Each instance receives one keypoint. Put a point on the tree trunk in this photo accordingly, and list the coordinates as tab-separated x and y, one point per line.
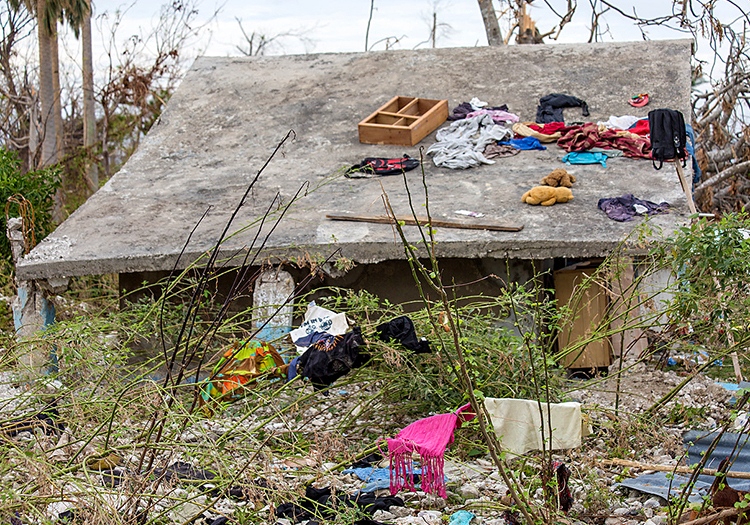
59	131
33	132
89	116
494	38
46	93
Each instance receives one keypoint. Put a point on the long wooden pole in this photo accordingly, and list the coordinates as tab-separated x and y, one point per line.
409	220
670	468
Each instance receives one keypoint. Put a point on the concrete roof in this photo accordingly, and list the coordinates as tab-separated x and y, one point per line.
229	113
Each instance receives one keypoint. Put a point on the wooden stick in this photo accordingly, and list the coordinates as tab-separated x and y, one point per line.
685	187
407	219
668	468
726	513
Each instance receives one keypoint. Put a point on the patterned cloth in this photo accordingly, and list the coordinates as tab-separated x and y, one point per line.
583	138
237	371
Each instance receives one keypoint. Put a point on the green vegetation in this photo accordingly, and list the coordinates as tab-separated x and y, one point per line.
37	189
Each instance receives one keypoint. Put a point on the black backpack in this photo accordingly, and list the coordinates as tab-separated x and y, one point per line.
378	166
667	129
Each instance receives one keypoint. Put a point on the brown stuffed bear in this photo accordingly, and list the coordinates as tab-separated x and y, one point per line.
559	177
547	196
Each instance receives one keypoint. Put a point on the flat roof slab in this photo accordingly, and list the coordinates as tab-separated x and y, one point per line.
229	114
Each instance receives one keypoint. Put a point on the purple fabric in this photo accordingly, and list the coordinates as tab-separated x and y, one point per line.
497	115
622	209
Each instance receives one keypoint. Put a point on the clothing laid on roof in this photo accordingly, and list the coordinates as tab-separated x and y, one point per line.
627	207
529	129
585	157
623	122
376	166
587	136
493	151
463	109
525	143
497	115
549	128
460	145
550	108
608	152
640	127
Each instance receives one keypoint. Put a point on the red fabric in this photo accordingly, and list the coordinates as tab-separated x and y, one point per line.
583	138
549	128
429	437
640	128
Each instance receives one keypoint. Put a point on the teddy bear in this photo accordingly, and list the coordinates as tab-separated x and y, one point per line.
559	177
547	195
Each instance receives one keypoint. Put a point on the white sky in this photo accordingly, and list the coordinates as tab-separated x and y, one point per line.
340	25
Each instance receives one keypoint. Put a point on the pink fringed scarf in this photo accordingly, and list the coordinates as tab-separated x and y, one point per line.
429	437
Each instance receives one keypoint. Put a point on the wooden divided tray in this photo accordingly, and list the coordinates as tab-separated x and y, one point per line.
403	121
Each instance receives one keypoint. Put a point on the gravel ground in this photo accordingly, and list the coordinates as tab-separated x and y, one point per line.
474	485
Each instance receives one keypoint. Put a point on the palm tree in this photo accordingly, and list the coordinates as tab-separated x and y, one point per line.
47	13
89	117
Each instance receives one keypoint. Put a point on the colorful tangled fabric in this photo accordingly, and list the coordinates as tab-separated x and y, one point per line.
237	370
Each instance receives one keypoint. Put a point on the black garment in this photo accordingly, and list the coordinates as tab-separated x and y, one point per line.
367	461
332	357
187	474
321	502
48	419
622	209
363	521
401	329
70	516
550	107
461	111
112	478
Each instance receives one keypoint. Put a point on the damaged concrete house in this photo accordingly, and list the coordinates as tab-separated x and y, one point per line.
229	114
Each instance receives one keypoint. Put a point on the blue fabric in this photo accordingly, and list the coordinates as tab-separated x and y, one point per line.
461	517
585	157
311	339
292	371
376	485
690	147
371	473
524	143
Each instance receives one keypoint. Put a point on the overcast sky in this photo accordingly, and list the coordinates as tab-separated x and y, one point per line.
341	25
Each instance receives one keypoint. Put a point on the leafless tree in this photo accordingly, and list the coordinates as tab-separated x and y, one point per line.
18	119
258	44
437	27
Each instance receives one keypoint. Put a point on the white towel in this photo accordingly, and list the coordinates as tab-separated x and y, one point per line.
517	424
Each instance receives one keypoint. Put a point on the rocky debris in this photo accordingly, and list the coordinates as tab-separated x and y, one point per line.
473	484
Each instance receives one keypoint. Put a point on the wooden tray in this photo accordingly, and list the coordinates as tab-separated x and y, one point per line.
403	121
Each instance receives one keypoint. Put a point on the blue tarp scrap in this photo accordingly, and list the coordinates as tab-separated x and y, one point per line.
660	484
697	444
